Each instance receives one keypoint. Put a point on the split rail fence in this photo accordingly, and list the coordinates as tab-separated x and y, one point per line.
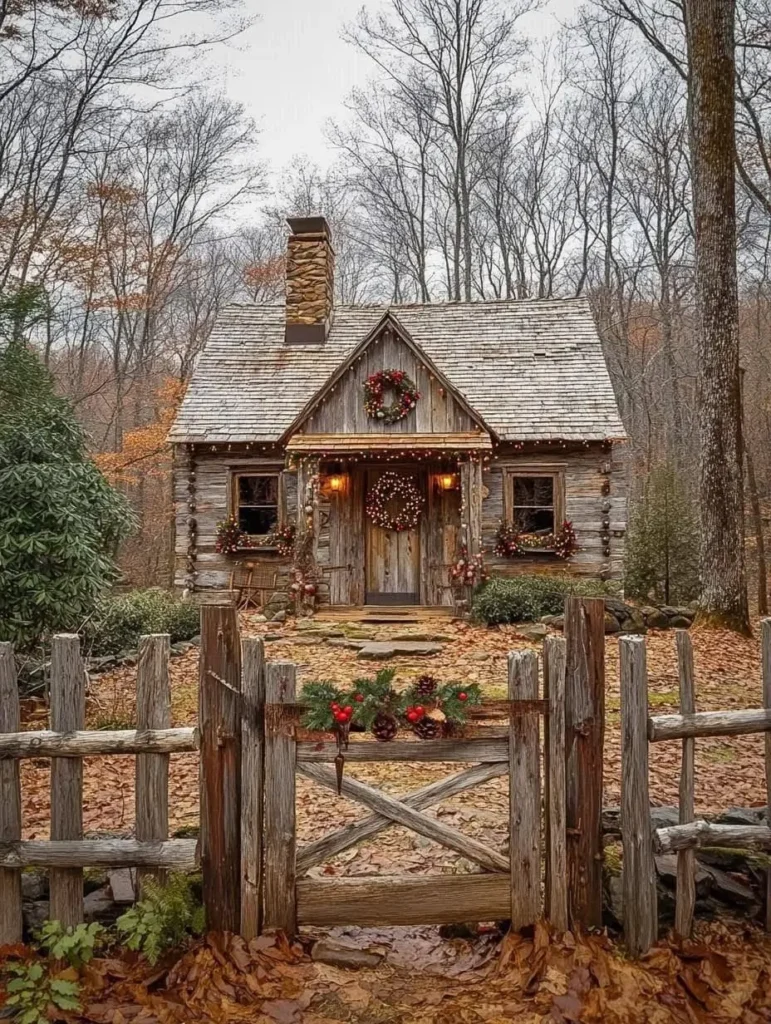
255	875
640	840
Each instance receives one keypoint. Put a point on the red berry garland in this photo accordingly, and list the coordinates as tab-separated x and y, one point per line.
405	391
389	486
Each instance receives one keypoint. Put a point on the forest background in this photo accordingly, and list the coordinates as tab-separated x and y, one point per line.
481	162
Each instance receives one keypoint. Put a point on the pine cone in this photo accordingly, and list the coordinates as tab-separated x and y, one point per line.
426	686
385	726
427	728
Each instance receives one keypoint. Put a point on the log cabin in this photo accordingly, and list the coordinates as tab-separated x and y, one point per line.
377	454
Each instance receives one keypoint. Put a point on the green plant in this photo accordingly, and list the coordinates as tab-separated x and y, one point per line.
60	520
34	988
662	552
120	621
75	945
162	919
524	598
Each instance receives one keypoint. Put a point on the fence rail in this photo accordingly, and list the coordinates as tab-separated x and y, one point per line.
640	840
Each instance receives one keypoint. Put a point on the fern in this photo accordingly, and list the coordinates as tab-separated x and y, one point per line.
162	919
75	945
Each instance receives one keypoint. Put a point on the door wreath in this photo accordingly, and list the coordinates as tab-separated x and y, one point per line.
404	389
390	486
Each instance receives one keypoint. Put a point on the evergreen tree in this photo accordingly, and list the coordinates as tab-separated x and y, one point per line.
60	521
662	558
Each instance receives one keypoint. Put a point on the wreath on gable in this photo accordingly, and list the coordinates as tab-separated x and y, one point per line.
406	395
392	486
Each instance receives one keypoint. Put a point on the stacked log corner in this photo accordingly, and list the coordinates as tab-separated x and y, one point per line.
220	730
584	738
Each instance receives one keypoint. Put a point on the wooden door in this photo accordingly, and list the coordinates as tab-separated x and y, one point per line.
392	572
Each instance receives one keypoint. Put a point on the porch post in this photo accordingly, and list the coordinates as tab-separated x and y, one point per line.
471	504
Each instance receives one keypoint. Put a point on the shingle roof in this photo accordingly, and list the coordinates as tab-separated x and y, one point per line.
533	370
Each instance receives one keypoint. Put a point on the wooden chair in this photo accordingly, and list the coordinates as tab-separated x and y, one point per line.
252	581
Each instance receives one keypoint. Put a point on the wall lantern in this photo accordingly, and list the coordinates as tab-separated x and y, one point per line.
336	479
447	481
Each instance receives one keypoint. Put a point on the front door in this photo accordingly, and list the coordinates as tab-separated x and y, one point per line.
392	557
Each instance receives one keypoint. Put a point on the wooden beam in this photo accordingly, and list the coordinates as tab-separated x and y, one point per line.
68	713
402	900
333	843
252	784
477	750
524	795
554	651
704	833
584	735
174	854
220	724
10	802
152	770
639	873
77	743
403	814
709	723
685	893
280	828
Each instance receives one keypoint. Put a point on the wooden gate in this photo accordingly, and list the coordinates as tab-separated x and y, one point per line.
507	886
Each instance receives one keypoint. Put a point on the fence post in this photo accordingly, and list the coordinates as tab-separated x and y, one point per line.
524	793
280	907
220	727
554	685
252	787
68	713
685	892
639	874
765	638
10	801
152	770
584	736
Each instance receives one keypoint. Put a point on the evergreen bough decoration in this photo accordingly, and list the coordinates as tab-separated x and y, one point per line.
405	391
392	486
511	543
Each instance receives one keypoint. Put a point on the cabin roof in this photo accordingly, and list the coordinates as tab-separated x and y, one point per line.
533	369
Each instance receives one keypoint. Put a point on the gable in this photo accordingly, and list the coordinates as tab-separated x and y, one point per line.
339	407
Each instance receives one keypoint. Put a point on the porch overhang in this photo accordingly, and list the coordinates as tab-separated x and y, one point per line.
349	444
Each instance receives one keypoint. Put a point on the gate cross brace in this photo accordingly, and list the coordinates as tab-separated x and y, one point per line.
403	814
311	854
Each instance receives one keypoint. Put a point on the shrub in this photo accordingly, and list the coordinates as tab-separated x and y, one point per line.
120	621
524	598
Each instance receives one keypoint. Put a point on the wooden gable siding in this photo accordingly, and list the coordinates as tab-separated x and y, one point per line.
583	475
213	472
342	410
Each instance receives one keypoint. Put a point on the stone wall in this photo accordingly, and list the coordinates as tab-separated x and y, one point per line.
310	274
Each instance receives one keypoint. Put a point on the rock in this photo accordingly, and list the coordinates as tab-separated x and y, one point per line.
680	622
549	620
280	616
531	630
558	622
657	620
100	906
618	608
635	623
382	650
196	640
728	890
307	641
34	915
648	610
338	953
742	816
687	612
612	624
353	644
273	636
479	656
615	899
181	647
34	885
436	638
122	885
664	817
670	610
666	868
258	618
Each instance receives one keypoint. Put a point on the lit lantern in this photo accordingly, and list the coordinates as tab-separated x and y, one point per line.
336	482
447	481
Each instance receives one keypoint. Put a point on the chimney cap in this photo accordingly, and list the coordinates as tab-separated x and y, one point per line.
309	226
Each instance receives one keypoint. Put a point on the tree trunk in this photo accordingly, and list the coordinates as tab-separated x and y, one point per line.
710	41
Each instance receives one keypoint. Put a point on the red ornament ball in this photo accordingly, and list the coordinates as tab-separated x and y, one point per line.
358	697
462	696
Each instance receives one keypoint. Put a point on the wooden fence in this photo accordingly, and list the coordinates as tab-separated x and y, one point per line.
640	841
254	874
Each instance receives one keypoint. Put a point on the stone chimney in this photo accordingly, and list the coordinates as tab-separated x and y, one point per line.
310	280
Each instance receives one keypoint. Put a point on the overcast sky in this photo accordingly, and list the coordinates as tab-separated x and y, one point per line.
292	71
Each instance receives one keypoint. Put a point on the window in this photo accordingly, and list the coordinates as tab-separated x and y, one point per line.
256	499
535	501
